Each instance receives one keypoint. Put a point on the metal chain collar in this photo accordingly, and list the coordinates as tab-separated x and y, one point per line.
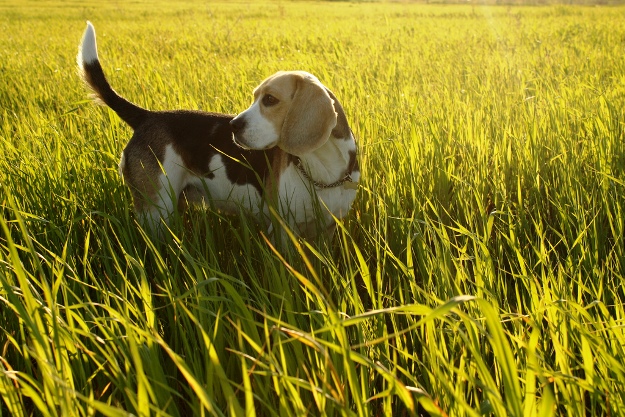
346	179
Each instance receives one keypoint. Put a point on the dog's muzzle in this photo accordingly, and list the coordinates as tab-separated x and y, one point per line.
238	125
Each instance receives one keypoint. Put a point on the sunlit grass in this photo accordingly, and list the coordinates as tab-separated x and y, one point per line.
480	272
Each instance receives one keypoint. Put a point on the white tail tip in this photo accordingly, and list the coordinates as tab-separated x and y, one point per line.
88	51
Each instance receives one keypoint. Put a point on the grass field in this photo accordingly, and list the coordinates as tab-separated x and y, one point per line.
481	271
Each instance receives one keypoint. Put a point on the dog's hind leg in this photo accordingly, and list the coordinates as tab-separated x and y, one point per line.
155	188
158	212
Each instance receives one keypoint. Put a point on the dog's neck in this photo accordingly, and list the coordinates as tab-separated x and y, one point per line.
331	164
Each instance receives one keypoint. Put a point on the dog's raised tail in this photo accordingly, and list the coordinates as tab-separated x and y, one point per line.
91	72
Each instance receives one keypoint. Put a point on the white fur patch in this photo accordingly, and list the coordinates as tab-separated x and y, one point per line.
300	204
88	51
327	164
225	195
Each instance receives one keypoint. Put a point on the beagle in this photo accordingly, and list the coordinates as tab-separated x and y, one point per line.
291	149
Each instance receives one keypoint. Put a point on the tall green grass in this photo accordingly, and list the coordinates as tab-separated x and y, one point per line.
481	271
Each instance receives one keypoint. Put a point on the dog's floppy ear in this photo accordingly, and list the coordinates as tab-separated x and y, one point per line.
310	118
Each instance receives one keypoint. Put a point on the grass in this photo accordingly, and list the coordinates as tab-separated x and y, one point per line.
481	271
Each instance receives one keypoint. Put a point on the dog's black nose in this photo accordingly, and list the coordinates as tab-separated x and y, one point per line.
237	124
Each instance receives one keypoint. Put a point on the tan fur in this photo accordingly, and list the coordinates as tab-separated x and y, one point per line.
278	165
282	88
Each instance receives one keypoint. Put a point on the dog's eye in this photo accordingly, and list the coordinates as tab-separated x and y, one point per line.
269	100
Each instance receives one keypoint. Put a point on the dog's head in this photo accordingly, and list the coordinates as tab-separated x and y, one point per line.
291	110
